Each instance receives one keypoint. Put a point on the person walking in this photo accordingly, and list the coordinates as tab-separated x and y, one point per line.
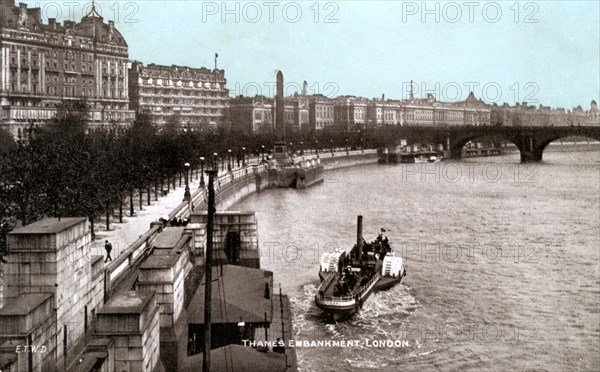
108	248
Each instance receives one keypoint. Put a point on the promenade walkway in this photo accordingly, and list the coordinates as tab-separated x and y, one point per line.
121	235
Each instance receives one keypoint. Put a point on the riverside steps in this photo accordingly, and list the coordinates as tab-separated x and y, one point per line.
69	310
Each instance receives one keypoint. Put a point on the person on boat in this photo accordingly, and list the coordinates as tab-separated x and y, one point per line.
386	245
380	235
351	280
348	270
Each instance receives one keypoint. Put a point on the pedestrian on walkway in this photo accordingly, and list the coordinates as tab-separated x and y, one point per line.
108	248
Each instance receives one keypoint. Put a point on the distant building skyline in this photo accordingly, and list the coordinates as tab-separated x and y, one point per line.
500	52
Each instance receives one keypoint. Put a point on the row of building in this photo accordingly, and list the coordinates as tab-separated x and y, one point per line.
317	112
45	64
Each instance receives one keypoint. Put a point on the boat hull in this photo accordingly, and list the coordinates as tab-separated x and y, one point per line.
343	308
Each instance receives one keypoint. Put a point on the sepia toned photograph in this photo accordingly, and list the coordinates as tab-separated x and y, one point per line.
299	186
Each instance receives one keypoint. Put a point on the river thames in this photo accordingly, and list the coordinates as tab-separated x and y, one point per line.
502	262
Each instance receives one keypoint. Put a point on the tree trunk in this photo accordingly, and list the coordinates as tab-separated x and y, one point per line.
168	184
148	194
156	190
130	203
180	179
107	215
120	208
141	191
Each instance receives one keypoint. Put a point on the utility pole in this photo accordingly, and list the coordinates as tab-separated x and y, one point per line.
208	269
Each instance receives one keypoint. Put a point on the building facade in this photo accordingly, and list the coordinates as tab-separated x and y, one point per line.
195	96
42	65
296	114
320	112
252	115
429	112
350	111
381	112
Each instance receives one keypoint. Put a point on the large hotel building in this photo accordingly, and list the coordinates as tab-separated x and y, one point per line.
44	64
191	96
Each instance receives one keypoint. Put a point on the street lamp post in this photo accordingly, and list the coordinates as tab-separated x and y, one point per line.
362	146
332	151
263	152
317	147
347	149
187	196
202	171
291	148
301	148
243	156
229	160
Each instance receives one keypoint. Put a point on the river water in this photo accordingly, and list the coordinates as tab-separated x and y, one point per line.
502	262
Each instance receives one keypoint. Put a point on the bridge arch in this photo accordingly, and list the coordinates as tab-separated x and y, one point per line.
531	141
541	146
457	146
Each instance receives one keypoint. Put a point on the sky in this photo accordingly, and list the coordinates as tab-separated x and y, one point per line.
545	52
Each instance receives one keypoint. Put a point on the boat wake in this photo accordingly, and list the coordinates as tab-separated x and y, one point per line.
381	318
385	307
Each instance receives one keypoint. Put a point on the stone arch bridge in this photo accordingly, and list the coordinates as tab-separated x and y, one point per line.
531	141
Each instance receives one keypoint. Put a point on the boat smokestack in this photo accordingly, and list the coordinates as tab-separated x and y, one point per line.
359	236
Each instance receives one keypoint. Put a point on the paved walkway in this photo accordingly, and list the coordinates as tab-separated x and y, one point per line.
121	235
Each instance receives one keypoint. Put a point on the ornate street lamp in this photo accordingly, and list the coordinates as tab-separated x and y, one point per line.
202	171
301	148
317	147
263	152
243	156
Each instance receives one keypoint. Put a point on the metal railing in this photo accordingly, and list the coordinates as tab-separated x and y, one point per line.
352	296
